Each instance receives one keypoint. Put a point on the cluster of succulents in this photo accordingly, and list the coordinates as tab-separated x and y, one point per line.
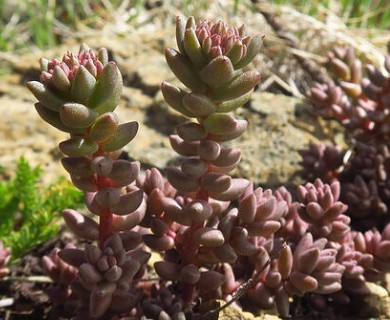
214	232
358	98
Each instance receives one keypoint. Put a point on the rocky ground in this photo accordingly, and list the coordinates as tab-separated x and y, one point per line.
279	122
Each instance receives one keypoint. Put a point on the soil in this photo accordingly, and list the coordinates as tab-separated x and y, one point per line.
23	292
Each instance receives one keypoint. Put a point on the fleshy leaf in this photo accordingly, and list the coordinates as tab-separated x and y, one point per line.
181	67
174	97
82	226
198	104
237	187
83	85
77	166
53	118
239	86
45	96
121	137
108	90
221	124
218	72
180	181
60	80
180	30
104	126
231	105
209	237
191	131
184	148
76	115
128	202
192	48
253	49
78	147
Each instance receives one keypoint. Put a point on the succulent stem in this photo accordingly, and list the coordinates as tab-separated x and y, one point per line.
202	194
105	225
105	214
188	294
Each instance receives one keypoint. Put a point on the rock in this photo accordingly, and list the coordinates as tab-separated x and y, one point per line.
279	126
378	301
232	312
23	133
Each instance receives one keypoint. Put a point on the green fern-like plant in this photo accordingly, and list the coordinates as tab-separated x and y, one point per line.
29	211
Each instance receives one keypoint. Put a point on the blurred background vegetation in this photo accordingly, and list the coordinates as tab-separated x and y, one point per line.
28	24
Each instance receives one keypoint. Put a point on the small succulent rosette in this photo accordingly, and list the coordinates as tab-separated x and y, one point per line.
78	95
105	275
322	210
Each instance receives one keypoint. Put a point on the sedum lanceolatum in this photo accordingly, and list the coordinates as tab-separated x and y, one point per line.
78	95
213	232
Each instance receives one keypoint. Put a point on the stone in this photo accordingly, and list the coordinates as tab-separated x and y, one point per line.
378	302
279	126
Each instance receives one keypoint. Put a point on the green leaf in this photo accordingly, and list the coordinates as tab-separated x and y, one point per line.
78	147
182	68
108	90
83	85
218	72
123	135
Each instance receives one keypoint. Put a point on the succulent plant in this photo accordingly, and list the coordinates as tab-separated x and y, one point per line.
365	91
218	236
78	95
105	275
358	99
321	161
209	63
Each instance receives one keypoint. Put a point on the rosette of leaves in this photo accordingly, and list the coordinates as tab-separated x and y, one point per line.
209	63
341	98
322	262
78	95
308	262
322	161
376	244
358	96
323	212
302	268
105	275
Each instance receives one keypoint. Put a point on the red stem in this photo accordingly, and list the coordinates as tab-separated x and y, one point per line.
105	225
105	214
